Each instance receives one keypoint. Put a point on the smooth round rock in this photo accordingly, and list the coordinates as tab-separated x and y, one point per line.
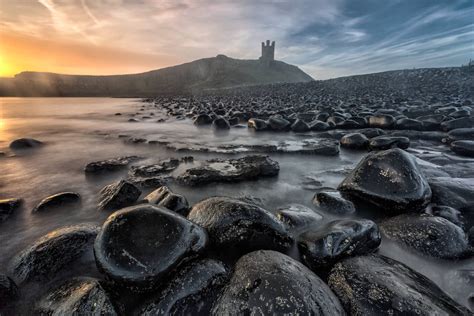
139	247
56	201
192	291
449	213
390	180
300	126
463	147
377	285
220	123
164	197
118	195
53	252
354	141
381	121
202	119
297	216
430	235
240	225
333	202
25	143
270	283
387	142
323	246
455	192
79	296
278	123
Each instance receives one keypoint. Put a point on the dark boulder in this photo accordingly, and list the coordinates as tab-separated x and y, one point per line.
278	123
79	296
454	192
220	123
139	247
109	165
230	170
354	141
270	283
8	291
300	126
160	168
236	224
461	134
463	147
318	126
192	291
52	252
430	235
377	285
449	213
372	132
296	216
381	121
25	143
202	119
7	207
388	142
257	124
409	124
164	197
118	195
464	122
333	202
390	180
321	247
56	201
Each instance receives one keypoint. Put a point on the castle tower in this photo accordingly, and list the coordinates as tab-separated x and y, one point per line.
268	52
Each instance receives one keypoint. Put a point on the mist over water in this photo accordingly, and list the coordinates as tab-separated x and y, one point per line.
77	131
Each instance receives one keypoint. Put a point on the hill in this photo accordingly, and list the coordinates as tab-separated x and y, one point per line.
203	74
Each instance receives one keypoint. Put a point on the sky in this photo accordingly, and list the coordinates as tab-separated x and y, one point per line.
325	38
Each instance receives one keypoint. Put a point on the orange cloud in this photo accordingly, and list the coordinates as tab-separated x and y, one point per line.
23	53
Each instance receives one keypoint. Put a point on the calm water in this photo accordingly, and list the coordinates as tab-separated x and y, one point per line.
80	130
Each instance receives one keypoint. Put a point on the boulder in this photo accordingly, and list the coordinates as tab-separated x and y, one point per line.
300	126
202	119
430	235
192	291
449	213
164	197
56	201
139	247
153	170
318	126
323	246
463	147
25	143
333	202
7	207
454	192
242	226
390	180
118	195
220	123
464	122
257	124
409	124
377	285
270	283
387	142
230	170
53	252
354	141
79	296
109	165
278	123
381	121
461	134
296	216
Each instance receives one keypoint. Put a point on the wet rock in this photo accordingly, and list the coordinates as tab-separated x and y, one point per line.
148	182
449	213
297	216
354	141
278	123
192	291
409	124
52	252
464	122
390	180
321	247
202	119
220	123
139	247
270	283
431	235
7	207
325	147
381	121
236	224
461	134
299	126
454	192
230	170
56	201
110	164
25	143
372	132
333	202
155	169
8	290
319	126
118	195
257	124
463	147
164	197
387	142
79	296
377	285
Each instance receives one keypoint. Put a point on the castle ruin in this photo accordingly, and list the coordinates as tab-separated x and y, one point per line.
268	52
